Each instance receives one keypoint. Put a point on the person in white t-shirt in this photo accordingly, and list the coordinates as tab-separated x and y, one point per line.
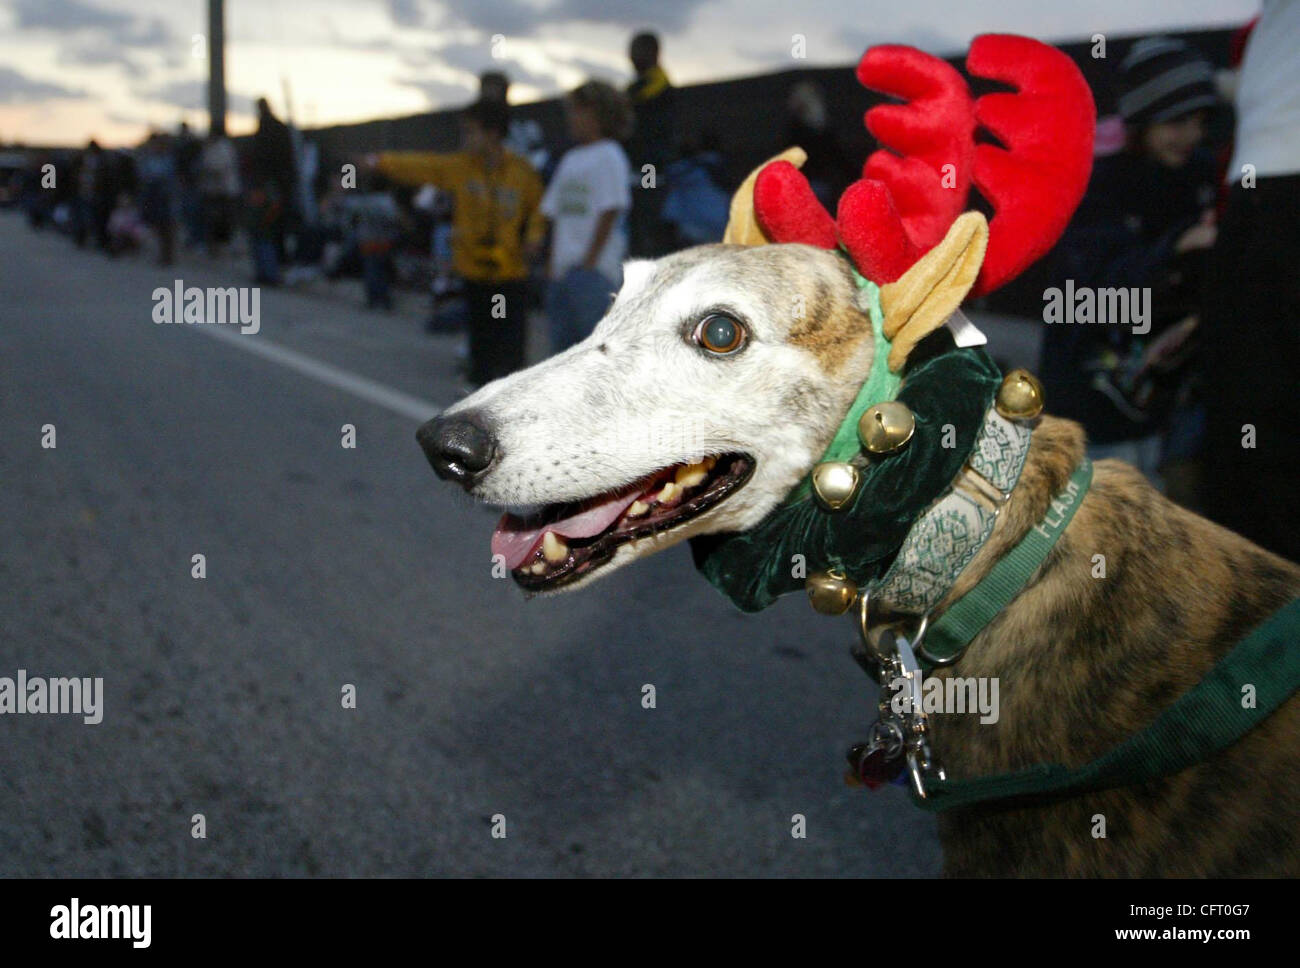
587	202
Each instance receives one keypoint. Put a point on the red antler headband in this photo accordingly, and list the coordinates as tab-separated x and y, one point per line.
905	202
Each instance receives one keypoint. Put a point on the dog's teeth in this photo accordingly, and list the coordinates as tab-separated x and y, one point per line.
692	475
538	568
709	463
637	509
669	493
553	549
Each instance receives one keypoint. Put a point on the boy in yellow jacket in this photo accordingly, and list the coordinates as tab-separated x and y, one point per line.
496	229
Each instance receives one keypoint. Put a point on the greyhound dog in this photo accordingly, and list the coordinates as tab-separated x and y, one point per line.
701	401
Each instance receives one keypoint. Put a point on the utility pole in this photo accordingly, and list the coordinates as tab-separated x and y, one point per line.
217	66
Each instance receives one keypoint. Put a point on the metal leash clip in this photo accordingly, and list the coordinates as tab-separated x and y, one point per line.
897	737
921	760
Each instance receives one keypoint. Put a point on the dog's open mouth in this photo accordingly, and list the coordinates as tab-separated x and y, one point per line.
563	542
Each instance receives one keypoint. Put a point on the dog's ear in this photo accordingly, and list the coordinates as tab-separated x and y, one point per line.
742	226
922	299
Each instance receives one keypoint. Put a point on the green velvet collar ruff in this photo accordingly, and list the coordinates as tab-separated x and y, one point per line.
881	384
944	386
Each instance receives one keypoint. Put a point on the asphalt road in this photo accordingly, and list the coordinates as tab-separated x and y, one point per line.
328	566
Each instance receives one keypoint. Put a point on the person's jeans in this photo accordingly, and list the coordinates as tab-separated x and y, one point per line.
266	262
575	304
374	271
191	214
83	219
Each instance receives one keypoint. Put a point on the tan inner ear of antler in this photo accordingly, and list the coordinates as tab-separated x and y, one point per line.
742	226
922	298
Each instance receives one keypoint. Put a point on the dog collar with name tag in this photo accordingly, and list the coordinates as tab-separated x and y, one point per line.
944	640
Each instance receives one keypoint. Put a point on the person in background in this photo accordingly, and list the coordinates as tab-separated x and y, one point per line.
218	190
303	230
696	205
525	136
447	312
39	202
377	221
1146	223
496	224
126	230
159	186
91	176
101	176
271	191
1251	319
652	96
586	202
187	151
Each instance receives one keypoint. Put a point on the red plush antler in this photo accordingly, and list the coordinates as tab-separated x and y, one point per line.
905	202
934	135
1036	182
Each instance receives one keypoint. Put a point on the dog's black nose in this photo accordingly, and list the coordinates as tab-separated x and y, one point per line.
459	448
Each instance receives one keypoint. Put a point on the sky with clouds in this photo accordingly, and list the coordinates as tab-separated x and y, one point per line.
72	69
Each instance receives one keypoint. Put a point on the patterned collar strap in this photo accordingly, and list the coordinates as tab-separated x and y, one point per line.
950	531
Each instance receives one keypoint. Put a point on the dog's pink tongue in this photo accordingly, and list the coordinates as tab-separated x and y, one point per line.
515	539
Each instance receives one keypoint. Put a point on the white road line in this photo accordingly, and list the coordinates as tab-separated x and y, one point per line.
376	393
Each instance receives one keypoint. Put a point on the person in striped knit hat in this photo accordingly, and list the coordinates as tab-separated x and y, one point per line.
1145	225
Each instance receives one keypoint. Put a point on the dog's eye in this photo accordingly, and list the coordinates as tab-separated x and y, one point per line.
719	334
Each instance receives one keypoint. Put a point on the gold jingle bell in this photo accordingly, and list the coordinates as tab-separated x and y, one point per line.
885	427
830	592
833	482
1020	397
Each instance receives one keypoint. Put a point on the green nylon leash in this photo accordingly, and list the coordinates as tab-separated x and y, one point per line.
947	638
1206	719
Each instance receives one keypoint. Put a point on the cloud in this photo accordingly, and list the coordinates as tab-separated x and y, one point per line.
76	16
82	54
597	70
849	43
192	95
509	17
921	36
406	13
66	15
16	88
440	94
669	16
151	33
477	58
122	117
515	18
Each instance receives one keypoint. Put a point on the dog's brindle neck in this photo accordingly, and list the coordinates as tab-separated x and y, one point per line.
1084	662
